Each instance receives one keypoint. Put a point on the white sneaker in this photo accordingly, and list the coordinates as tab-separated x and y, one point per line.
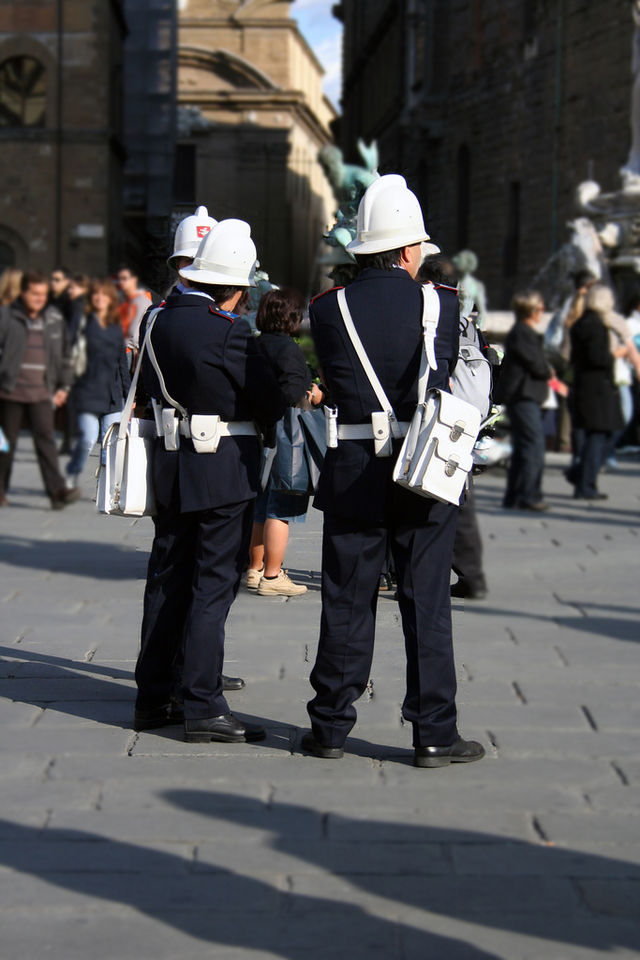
280	586
72	481
252	578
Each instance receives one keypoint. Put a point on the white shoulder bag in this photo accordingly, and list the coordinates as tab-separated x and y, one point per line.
435	458
125	479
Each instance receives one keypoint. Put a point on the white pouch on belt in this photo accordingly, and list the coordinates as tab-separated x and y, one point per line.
382	437
170	429
205	432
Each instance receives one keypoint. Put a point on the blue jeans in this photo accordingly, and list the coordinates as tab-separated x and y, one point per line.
90	427
524	481
593	452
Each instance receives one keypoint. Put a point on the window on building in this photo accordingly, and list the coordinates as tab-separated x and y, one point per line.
464	195
22	92
184	176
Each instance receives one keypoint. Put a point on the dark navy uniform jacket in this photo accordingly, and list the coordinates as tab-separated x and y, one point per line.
386	306
211	365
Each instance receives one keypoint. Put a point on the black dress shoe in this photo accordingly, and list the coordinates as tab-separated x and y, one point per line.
232	683
591	496
464	591
225	729
310	745
460	751
153	717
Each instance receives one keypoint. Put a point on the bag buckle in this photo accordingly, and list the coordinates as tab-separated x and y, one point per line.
457	430
451	466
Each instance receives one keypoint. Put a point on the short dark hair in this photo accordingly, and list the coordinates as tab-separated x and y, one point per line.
439	269
127	266
81	280
279	311
32	278
219	293
385	260
61	270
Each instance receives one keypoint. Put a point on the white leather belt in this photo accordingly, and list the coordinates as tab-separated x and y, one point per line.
363	431
230	428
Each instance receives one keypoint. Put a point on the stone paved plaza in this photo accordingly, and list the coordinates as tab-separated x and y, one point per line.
141	847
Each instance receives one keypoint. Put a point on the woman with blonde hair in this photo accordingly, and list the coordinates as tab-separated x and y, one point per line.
98	395
9	285
596	405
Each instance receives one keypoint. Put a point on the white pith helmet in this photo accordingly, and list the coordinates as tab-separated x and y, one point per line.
190	233
227	256
389	216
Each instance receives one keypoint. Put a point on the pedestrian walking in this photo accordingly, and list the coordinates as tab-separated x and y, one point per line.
35	379
596	403
98	395
523	387
364	510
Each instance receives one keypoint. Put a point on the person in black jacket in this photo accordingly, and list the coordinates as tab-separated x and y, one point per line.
206	477
278	318
98	395
596	402
523	386
364	510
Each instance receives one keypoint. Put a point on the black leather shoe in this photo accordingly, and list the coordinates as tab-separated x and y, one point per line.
225	729
310	745
460	751
591	496
464	591
232	683
153	717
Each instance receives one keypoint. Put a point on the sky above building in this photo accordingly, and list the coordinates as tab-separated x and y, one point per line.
323	33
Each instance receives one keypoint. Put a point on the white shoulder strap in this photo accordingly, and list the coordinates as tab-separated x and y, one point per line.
152	356
366	363
430	318
131	396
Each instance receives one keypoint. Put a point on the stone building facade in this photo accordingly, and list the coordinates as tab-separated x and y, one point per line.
61	133
494	113
251	119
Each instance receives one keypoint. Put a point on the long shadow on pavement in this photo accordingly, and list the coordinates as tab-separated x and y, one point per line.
213	902
520	887
83	558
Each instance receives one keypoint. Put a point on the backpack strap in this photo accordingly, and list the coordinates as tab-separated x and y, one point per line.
372	376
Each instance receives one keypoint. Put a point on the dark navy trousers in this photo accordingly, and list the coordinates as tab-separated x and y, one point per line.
193	577
524	480
352	558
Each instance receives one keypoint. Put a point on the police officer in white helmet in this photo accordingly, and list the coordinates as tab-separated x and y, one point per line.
365	512
189	234
206	475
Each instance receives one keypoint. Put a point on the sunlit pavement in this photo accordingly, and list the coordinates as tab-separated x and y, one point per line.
122	845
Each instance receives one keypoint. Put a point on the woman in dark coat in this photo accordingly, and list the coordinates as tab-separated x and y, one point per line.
98	395
523	386
278	318
596	405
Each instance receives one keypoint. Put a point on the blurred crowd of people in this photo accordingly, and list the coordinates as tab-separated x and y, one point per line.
578	383
68	343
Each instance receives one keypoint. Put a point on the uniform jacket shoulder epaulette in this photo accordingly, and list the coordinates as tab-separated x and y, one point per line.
216	311
325	292
446	286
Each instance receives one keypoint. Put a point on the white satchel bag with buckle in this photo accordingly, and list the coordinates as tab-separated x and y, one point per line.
435	458
125	481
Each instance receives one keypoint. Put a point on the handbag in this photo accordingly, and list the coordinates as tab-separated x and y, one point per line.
125	475
435	457
79	350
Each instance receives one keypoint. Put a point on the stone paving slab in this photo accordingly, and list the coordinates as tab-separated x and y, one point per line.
117	844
